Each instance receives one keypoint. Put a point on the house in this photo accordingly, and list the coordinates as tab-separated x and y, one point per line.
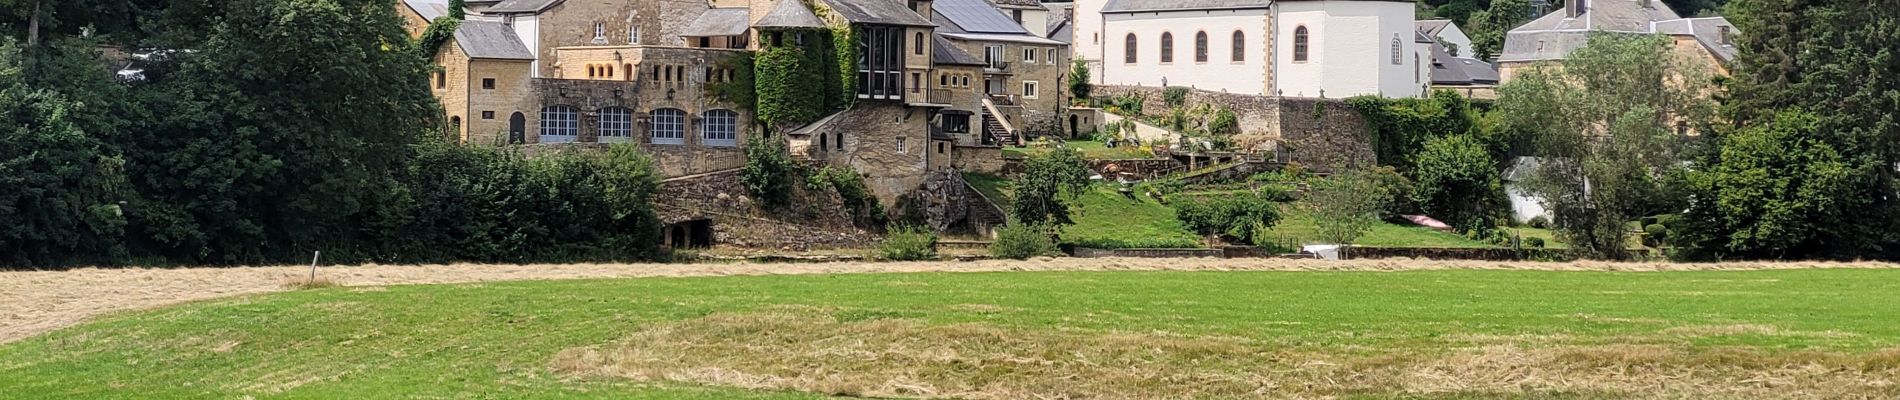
1032	15
1470	77
1295	48
1552	37
1445	32
1023	72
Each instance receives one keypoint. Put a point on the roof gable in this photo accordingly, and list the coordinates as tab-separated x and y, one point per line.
977	16
877	12
490	40
789	14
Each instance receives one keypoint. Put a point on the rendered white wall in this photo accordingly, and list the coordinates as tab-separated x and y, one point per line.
1350	44
1219	73
1452	34
1086	45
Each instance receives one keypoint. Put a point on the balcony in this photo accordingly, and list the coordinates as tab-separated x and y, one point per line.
944	96
997	67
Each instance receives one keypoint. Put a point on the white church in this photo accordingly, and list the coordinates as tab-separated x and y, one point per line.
1293	48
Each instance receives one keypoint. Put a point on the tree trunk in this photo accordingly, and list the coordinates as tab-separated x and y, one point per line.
33	25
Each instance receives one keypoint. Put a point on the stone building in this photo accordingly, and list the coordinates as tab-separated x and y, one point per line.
1552	37
1296	48
1022	80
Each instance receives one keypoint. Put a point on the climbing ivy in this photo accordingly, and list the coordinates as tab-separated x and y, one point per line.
844	41
438	33
742	89
787	96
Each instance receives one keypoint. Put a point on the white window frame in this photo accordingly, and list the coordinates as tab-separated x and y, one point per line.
668	126
720	128
1052	56
616	125
1029	55
600	33
560	124
1032	89
993	55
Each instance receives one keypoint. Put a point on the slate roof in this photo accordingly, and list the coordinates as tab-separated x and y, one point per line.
490	40
1555	35
1017	3
1127	6
1001	37
877	12
942	52
1448	70
1061	22
718	22
789	14
428	9
522	6
975	16
1432	27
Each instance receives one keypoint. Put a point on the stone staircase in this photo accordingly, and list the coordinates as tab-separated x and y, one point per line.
996	129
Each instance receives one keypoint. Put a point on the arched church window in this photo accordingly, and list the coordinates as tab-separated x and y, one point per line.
1200	47
1128	53
1240	46
1167	47
1299	44
1398	58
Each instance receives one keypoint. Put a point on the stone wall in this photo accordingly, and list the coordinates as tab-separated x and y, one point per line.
1139	168
739	221
885	141
1149	253
1316	132
950	205
984	159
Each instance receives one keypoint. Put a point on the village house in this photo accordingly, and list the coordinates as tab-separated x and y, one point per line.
1444	32
1552	37
1311	48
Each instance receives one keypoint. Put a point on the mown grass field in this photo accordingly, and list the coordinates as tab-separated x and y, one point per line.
1417	334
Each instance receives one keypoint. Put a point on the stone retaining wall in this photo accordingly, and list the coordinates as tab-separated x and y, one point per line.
738	221
1316	132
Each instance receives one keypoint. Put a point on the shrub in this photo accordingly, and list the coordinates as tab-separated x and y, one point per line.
1047	185
1225	123
1458	183
1655	235
864	207
1129	103
768	170
1235	217
908	243
1022	241
1534	242
1539	222
1174	96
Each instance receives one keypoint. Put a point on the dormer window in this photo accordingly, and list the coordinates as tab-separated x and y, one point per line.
1725	35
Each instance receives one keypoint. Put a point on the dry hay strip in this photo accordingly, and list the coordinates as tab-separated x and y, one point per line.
804	349
34	302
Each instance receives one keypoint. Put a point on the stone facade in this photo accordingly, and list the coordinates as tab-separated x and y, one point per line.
1316	132
950	205
984	159
884	141
736	220
1040	112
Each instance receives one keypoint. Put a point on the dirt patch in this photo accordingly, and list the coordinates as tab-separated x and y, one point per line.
813	352
34	302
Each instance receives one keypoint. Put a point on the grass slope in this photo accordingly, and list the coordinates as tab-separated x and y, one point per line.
1106	218
1297	227
1000	335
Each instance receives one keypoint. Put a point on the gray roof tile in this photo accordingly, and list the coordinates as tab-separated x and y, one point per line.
718	22
490	40
790	14
428	9
944	53
977	16
522	6
1123	6
878	12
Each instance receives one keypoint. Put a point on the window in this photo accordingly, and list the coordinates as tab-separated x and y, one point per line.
1052	57
1167	47
1029	55
616	125
943	80
993	55
1200	47
916	82
956	123
940	148
600	33
633	34
488	115
1128	52
559	124
900	144
1017	14
630	71
1240	46
1398	58
1299	44
840	142
722	128
881	63
1030	89
917	43
488	83
441	80
669	126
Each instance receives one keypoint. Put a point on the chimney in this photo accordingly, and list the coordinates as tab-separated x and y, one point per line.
1725	35
1574	8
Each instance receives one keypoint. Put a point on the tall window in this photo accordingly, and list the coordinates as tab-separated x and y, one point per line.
1299	44
1200	47
600	33
1031	89
1029	55
1240	46
1167	47
559	124
722	128
669	126
616	125
1052	57
993	55
917	43
1397	57
881	63
1128	54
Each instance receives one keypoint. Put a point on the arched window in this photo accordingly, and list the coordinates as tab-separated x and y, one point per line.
1398	58
1200	47
669	126
455	128
1128	53
1299	44
616	125
917	43
1167	47
721	128
559	124
1240	46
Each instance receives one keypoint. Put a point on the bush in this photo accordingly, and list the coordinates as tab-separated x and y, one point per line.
1225	123
1457	182
1129	103
1655	235
1022	241
908	243
768	170
1534	242
1239	218
1174	96
864	207
1539	222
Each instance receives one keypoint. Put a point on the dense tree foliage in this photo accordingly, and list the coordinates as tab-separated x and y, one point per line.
1457	182
1604	125
1239	218
264	130
1807	170
1346	205
1049	184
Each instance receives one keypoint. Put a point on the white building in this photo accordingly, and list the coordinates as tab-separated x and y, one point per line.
1296	48
1444	31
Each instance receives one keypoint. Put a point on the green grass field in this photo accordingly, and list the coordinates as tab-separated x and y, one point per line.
1005	335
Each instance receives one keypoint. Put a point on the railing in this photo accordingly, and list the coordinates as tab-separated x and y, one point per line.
999	65
990	106
940	96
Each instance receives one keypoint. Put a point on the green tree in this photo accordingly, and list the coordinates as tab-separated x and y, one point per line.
63	184
769	170
1603	123
1487	28
1811	79
1079	87
1458	182
1049	184
1240	218
1346	205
